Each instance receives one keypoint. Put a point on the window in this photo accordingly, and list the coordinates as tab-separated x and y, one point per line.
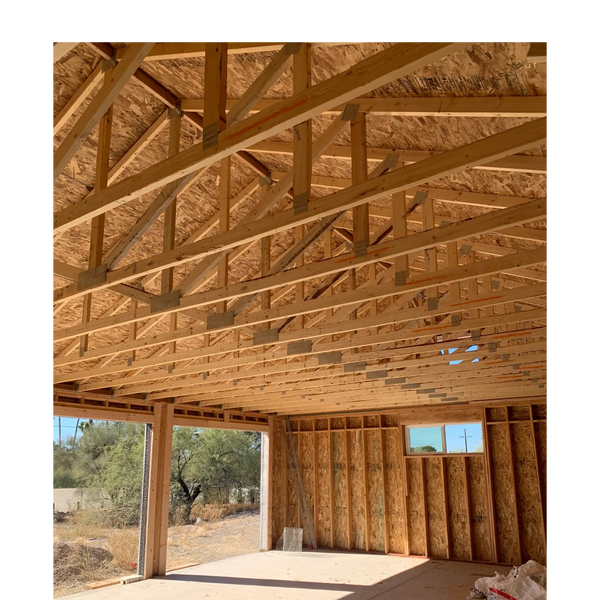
459	438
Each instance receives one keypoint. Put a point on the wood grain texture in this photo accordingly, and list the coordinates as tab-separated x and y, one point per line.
374	489
323	517
394	490
416	508
504	504
528	494
480	523
459	511
436	518
340	487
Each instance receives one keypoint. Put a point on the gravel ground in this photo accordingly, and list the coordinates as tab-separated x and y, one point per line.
202	543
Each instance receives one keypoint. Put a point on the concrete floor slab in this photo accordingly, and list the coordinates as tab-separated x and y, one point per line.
321	575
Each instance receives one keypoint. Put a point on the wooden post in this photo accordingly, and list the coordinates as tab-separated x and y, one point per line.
468	501
97	236
349	493
514	479
386	536
155	563
537	471
315	468
365	473
404	485
331	480
490	488
446	506
425	511
266	484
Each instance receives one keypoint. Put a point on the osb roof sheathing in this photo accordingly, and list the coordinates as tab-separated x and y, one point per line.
487	69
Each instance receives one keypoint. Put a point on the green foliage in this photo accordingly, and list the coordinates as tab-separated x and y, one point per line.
207	464
423	449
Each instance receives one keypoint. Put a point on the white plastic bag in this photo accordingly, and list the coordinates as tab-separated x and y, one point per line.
522	588
527	582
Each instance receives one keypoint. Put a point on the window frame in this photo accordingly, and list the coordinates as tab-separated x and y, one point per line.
444	452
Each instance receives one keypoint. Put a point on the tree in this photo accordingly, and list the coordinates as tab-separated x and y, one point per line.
209	463
423	449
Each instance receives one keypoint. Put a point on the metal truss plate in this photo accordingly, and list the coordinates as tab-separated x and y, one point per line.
267	336
400	278
420	197
300	203
377	374
330	358
432	303
218	320
476	334
456	320
355	366
411	386
464	250
91	278
395	380
165	301
301	347
360	248
350	112
210	137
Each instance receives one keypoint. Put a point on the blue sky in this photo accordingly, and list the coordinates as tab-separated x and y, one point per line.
457	362
67	426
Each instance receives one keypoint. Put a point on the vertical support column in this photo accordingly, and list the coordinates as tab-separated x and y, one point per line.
452	261
514	487
348	490
166	282
468	502
446	506
224	206
490	488
472	287
315	481
331	481
425	511
266	488
366	485
360	214
401	263
157	524
302	149
402	439
215	121
97	237
383	460
144	506
431	294
537	470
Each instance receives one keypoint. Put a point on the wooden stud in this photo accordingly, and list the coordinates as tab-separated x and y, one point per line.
493	529
514	487
383	462
403	459
537	471
331	484
349	491
446	505
468	503
97	236
425	511
365	479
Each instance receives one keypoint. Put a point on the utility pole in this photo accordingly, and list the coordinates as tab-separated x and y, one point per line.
465	436
59	436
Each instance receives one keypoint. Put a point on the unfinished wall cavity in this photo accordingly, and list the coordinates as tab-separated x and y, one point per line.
365	493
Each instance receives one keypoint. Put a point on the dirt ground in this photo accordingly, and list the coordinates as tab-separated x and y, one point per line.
80	559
